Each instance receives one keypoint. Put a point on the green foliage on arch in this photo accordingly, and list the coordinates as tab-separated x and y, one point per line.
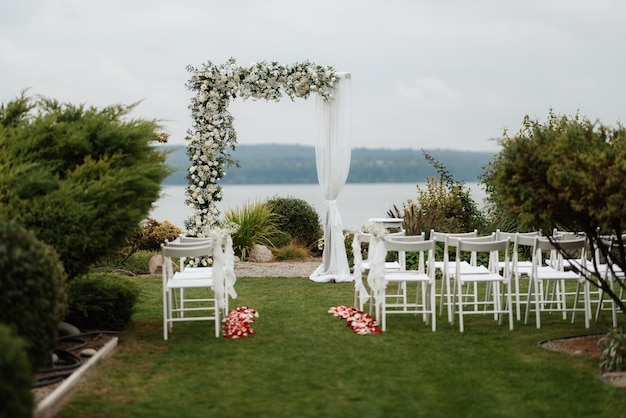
212	135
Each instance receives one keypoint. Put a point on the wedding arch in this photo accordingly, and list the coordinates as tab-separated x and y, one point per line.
212	137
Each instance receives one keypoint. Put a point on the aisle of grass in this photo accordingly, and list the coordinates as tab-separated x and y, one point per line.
303	362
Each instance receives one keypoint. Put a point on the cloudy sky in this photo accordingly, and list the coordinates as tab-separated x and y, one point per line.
448	74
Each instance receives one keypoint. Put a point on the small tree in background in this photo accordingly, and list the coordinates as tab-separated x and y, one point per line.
568	173
81	178
444	205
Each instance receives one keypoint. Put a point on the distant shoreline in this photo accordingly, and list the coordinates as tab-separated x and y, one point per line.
295	164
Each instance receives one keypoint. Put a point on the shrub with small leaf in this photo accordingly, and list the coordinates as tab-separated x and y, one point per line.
102	301
613	346
297	218
139	262
16	399
31	290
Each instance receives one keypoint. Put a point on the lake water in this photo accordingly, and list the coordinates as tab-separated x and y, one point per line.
357	202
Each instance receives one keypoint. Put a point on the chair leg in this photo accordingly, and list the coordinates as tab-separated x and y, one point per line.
528	301
517	299
218	323
510	306
165	315
460	303
587	302
433	306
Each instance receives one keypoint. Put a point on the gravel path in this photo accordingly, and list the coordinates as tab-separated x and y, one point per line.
277	268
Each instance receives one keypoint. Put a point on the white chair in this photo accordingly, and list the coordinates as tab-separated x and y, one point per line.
198	309
519	267
443	265
448	268
612	275
361	267
423	277
497	301
229	265
548	288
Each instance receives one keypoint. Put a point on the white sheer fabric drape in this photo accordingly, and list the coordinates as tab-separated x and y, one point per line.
332	153
357	273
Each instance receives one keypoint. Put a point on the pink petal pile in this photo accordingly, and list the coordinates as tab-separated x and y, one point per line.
237	324
357	320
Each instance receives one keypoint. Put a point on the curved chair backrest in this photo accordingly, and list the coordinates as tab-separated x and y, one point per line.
401	246
545	244
482	245
406	238
186	239
443	236
453	241
476	246
182	251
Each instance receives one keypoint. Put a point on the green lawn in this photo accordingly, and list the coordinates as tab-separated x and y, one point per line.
304	362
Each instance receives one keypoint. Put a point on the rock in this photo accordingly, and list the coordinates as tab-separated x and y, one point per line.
66	329
155	266
88	352
261	254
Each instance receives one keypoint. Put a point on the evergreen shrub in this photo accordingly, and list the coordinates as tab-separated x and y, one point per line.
16	399
81	178
31	290
298	218
101	301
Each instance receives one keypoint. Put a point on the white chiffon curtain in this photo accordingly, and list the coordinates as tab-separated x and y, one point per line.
332	153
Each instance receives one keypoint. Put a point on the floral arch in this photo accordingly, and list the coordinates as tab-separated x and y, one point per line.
212	137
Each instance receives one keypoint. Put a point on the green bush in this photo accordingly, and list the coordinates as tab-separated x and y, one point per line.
31	290
139	262
101	301
445	205
298	218
613	348
16	398
80	178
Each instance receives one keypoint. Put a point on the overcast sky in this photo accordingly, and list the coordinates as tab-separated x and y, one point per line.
447	74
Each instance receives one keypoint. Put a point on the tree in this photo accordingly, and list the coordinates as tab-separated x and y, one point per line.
445	204
568	173
80	178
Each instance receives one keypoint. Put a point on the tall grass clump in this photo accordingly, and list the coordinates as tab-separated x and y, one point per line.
257	225
291	252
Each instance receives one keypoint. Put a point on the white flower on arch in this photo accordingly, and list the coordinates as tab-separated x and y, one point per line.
212	133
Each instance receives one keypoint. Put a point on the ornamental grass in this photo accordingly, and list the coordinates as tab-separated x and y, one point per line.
305	362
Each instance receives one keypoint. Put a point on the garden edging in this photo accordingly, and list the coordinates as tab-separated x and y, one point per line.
51	404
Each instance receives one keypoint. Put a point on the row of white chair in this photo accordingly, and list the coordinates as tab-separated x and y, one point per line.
500	271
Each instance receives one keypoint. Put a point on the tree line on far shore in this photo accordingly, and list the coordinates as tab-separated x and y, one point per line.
295	164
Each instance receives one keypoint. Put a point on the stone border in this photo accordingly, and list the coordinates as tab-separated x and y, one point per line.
51	404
